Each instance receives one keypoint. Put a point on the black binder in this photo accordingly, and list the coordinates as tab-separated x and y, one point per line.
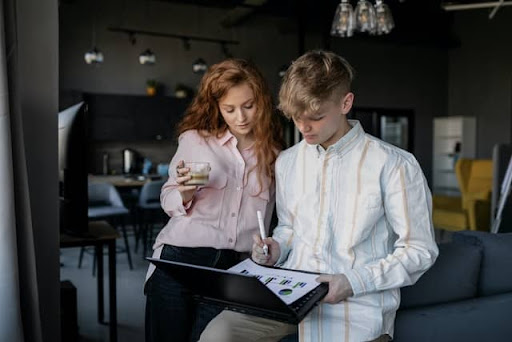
240	292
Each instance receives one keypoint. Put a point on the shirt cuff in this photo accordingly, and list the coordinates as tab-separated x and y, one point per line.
284	249
361	281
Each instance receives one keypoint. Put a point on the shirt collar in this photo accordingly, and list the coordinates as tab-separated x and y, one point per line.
346	142
226	137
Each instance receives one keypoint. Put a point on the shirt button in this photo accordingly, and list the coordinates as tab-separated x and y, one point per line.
233	214
230	240
239	188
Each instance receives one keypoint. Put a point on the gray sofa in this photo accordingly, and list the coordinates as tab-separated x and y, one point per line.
466	296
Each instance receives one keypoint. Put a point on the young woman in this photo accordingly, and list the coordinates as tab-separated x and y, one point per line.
231	125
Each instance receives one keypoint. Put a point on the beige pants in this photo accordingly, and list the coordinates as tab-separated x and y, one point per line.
231	326
381	338
228	327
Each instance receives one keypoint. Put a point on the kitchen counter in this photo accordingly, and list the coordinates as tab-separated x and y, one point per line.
124	180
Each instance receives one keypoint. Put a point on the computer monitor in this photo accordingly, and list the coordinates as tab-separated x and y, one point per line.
73	141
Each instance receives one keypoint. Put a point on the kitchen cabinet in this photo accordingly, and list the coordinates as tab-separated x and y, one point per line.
454	137
132	118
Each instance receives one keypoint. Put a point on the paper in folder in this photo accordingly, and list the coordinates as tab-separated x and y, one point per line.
279	294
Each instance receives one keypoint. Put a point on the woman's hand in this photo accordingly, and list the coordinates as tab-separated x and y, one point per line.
186	191
339	287
258	255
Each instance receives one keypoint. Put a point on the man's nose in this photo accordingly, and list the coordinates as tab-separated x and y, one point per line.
304	127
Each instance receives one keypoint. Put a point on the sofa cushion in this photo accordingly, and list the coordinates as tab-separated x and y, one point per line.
454	276
496	272
474	320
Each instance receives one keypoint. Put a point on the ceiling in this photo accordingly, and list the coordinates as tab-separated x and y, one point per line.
421	22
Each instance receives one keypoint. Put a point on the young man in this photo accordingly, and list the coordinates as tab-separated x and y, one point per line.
351	207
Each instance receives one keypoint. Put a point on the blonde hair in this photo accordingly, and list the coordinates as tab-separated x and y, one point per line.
315	77
204	115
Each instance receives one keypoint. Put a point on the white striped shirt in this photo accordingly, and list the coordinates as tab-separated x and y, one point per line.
363	208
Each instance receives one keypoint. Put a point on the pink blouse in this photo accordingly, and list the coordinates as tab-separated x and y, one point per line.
222	213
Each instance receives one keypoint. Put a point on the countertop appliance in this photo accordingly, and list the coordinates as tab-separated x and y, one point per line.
131	161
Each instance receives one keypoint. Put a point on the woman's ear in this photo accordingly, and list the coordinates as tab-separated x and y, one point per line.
346	104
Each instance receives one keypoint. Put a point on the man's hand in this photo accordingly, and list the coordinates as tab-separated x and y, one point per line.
257	251
339	287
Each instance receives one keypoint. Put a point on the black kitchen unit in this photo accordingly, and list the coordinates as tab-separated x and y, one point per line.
132	118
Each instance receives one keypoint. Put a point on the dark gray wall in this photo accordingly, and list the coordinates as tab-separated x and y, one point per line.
480	77
121	72
409	77
388	75
38	66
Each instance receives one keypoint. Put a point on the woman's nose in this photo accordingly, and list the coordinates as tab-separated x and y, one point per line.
240	115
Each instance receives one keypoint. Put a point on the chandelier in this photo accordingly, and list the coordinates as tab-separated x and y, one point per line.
365	18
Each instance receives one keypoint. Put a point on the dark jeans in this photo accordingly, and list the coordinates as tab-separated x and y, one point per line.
171	312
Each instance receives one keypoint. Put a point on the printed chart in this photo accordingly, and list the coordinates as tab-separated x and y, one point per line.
287	285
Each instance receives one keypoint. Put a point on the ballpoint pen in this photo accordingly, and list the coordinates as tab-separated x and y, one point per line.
262	231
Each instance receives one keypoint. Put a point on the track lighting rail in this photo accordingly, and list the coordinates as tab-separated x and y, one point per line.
185	38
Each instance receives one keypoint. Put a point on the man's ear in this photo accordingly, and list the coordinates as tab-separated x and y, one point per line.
346	104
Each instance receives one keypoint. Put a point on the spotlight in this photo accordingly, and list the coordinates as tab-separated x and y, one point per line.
199	66
93	56
147	57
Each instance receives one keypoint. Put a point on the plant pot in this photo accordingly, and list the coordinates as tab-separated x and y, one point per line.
151	91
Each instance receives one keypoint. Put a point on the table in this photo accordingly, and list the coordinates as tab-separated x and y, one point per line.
100	234
121	181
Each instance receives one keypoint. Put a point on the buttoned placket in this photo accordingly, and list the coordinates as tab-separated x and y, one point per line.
239	182
332	189
322	191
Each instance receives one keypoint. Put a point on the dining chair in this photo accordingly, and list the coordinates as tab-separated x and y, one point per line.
149	213
105	203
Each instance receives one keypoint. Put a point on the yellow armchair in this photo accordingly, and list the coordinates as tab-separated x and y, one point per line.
473	209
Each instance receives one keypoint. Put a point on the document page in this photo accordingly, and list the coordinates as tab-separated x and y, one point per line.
287	285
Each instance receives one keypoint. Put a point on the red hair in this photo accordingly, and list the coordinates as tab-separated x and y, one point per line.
204	115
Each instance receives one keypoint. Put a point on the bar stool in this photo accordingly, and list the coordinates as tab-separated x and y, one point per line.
149	212
105	203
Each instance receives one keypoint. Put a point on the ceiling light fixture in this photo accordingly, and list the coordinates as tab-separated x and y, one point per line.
225	51
186	43
199	66
282	70
364	18
147	57
343	23
385	22
93	56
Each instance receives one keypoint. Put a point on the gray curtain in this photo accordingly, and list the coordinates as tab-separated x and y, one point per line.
19	302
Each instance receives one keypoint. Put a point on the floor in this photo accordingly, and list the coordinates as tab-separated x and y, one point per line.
130	297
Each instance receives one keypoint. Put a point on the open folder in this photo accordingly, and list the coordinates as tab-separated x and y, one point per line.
269	292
